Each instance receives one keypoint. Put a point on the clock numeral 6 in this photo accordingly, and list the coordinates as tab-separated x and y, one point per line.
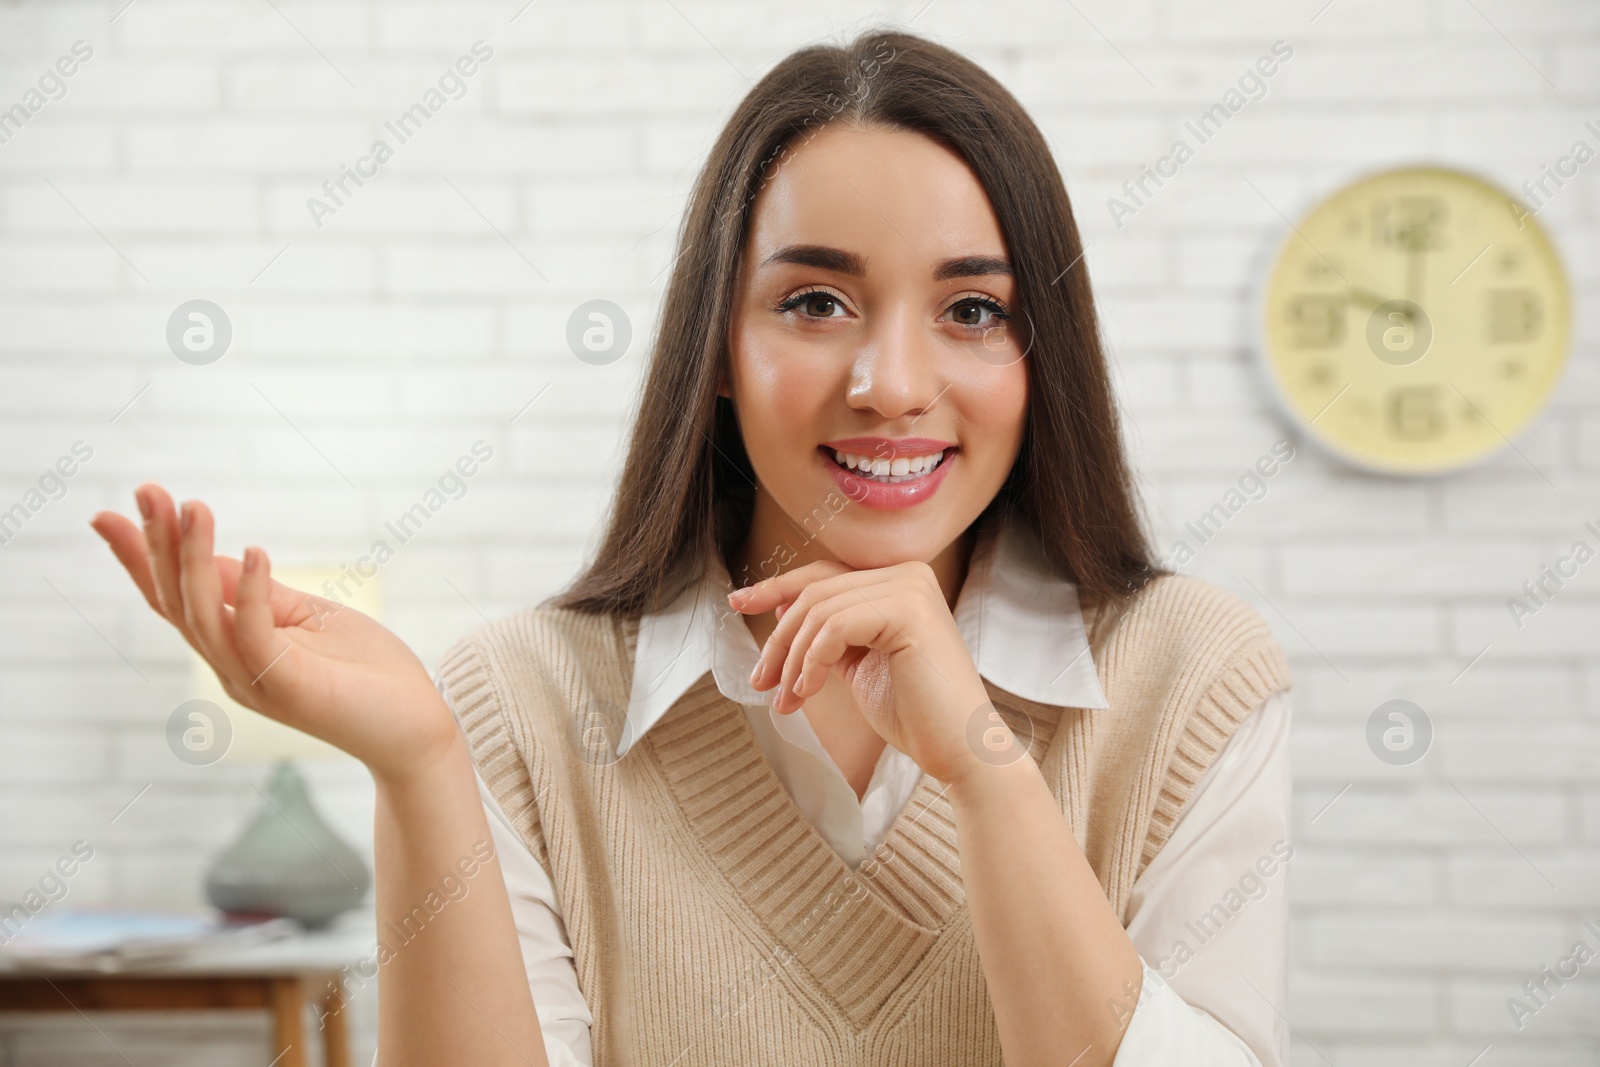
1415	412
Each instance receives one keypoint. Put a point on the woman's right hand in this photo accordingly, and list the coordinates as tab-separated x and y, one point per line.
304	660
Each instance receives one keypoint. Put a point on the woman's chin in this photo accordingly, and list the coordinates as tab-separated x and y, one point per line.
865	549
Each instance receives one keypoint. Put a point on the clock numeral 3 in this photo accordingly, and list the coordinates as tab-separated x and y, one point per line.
1514	315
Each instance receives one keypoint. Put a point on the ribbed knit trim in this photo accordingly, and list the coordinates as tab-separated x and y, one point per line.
1239	665
526	757
473	692
1234	696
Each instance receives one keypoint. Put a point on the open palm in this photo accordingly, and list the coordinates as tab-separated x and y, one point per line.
304	660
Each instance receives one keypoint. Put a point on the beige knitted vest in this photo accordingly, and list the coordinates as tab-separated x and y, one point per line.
710	922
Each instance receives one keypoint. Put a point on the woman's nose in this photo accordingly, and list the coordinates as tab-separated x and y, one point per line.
897	372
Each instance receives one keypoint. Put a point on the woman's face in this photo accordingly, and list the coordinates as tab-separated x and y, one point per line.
873	320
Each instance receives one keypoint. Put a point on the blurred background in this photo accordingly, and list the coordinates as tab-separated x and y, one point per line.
354	345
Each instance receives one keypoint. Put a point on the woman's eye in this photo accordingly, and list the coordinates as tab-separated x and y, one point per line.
816	304
976	313
820	305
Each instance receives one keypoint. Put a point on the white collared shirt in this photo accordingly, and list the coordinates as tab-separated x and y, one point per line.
1204	1004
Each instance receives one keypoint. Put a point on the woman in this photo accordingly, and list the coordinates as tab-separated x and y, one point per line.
878	397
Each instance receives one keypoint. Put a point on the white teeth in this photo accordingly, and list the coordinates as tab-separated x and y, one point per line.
901	468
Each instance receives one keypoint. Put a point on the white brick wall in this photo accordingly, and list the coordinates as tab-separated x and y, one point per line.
406	327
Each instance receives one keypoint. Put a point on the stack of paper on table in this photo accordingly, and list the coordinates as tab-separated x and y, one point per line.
114	940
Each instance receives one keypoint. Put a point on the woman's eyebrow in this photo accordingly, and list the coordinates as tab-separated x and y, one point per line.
970	266
824	257
821	257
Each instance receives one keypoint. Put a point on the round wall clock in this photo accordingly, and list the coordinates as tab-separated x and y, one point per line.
1415	321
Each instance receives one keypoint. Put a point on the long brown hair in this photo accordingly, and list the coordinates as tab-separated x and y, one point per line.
687	488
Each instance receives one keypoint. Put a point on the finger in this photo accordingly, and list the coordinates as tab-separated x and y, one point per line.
777	644
161	536
817	618
781	588
127	543
132	548
289	606
776	648
228	570
862	625
255	631
201	588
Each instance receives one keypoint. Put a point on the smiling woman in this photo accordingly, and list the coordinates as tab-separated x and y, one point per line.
934	789
929	183
885	318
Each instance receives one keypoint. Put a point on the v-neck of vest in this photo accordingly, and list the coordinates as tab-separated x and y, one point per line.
858	932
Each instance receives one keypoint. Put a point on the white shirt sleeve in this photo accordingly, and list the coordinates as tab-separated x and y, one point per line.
1210	915
564	1016
1203	1012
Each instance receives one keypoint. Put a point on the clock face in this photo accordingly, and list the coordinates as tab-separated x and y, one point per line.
1416	321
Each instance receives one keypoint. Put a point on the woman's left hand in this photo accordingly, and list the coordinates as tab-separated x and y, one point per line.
889	634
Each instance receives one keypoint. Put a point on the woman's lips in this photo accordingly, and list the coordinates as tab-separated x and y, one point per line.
890	495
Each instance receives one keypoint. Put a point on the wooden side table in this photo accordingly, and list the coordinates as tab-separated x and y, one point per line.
281	977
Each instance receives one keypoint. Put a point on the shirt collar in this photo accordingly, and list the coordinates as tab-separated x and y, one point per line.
1021	622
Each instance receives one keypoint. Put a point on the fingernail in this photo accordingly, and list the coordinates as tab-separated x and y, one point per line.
249	560
144	505
755	672
188	517
795	689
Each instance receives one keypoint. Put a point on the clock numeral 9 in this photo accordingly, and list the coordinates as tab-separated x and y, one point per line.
1415	412
1514	315
1318	321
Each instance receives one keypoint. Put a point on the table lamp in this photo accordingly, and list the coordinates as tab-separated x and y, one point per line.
287	861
